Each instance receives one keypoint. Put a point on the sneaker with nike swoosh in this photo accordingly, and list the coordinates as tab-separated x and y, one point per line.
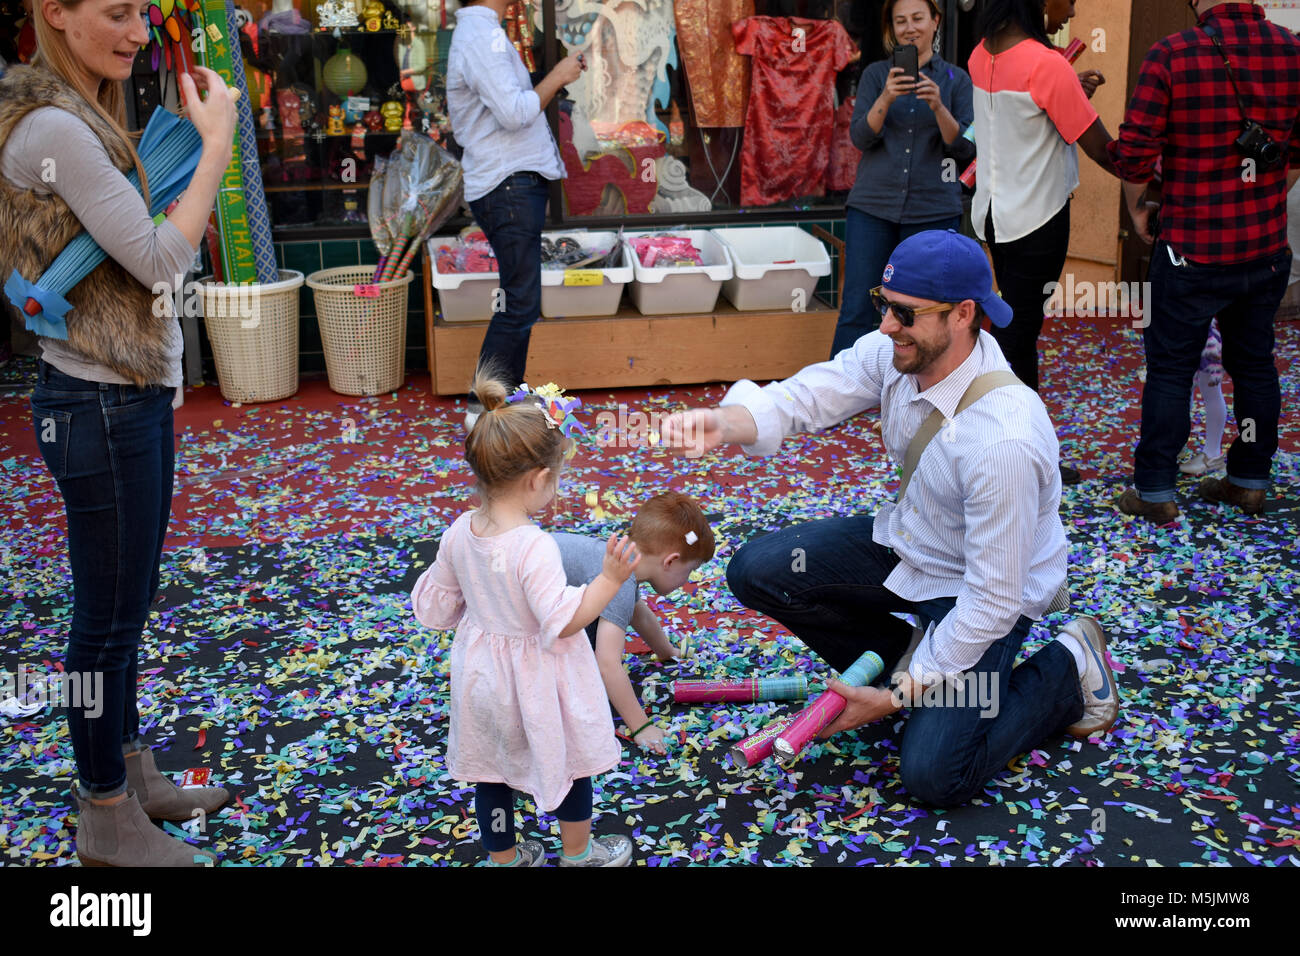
1100	692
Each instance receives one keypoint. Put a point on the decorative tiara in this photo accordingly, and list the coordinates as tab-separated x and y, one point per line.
555	406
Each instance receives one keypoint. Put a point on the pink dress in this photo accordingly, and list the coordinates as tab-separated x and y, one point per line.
528	708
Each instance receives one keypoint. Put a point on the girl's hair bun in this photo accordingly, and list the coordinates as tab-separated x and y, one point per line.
510	438
489	387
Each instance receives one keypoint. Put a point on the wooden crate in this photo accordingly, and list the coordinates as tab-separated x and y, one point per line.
629	349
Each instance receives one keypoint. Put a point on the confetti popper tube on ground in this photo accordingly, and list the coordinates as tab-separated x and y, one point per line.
1071	53
758	747
818	715
746	691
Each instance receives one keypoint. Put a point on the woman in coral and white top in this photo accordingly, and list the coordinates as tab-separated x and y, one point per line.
1030	112
528	708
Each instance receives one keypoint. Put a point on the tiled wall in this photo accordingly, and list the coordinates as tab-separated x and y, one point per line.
310	256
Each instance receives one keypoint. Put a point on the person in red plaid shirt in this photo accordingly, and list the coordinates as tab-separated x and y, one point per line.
1221	246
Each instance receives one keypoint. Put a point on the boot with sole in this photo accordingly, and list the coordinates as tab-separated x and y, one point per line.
1249	500
163	800
120	834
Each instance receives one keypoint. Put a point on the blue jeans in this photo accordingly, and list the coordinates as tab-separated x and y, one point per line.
512	217
494	806
1184	298
824	580
110	450
868	243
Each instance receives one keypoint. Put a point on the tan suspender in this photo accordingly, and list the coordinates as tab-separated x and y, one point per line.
977	389
980	387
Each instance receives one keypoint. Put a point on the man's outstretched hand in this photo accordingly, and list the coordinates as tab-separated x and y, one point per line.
692	433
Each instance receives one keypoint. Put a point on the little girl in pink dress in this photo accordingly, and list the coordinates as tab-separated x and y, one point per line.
528	708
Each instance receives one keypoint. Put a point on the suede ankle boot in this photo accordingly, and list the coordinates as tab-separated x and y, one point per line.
163	800
120	834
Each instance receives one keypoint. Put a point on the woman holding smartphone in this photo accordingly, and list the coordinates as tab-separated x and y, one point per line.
1030	112
102	406
910	130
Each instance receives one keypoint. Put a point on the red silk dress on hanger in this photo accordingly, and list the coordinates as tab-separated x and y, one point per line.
843	167
791	113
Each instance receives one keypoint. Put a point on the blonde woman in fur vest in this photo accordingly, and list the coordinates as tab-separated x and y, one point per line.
102	408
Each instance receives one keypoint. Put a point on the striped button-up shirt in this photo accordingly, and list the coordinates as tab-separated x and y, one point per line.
980	518
495	114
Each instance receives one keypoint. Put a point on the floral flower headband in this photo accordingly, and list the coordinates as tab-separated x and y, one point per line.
555	406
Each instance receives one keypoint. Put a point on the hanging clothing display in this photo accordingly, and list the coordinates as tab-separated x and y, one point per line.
718	76
843	167
790	118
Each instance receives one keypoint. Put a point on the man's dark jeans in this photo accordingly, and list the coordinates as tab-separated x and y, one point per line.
824	580
110	450
1184	298
512	217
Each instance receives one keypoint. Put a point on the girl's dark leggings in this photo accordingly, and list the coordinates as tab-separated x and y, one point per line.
494	803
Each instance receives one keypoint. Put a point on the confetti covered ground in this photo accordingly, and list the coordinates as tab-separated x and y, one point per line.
283	653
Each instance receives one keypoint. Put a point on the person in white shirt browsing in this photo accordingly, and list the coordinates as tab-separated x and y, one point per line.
974	545
510	161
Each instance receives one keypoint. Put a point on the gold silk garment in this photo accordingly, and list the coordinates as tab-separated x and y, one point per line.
717	74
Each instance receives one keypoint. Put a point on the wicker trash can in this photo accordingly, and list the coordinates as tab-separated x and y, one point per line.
254	334
362	328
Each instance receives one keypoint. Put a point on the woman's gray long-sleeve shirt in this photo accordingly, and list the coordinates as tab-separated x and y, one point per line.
52	151
901	176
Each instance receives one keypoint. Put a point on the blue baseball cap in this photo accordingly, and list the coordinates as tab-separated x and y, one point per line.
945	267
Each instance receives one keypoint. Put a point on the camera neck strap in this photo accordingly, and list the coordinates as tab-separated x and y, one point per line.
1227	65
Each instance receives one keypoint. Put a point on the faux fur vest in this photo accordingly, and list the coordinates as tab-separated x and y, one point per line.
112	320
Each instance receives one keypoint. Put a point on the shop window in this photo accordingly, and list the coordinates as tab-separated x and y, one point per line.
665	121
677	113
332	84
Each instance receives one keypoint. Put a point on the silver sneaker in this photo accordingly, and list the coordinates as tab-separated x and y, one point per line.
605	851
530	854
1198	464
1100	692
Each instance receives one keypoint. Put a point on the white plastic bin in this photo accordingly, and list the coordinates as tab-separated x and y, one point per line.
563	299
680	289
775	267
462	296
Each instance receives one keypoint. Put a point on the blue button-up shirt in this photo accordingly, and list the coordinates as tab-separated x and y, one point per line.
495	114
901	176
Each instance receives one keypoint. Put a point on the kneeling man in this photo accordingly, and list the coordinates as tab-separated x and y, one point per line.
973	546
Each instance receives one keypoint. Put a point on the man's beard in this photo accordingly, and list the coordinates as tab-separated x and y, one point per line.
923	355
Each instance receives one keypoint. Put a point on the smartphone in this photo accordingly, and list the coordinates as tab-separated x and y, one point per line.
905	56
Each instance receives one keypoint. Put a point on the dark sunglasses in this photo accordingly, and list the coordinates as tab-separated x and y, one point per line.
905	314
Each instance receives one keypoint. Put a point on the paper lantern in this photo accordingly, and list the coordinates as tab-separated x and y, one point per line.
345	74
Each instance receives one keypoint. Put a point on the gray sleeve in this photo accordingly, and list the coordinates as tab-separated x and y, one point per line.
583	558
619	609
54	151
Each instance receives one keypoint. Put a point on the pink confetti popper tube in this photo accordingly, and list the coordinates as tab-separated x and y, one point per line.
758	747
822	712
746	691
